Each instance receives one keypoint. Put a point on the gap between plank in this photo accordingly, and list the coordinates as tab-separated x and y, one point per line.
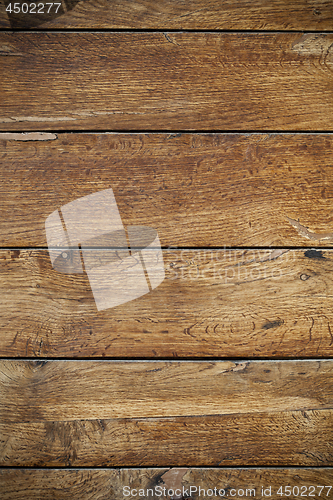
322	248
185	359
173	131
220	467
154	30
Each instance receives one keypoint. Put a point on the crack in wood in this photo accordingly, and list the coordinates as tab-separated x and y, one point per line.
304	231
30	136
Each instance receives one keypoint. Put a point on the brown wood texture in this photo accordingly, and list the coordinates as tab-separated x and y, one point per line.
204	192
47	391
4	21
311	15
196	190
105	484
161	81
85	413
291	438
251	303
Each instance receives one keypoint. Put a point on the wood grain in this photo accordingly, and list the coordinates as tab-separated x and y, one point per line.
86	413
101	484
292	438
198	15
212	303
4	21
38	391
196	190
314	15
161	81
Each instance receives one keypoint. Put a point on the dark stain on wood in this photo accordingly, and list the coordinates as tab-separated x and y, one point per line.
314	254
272	324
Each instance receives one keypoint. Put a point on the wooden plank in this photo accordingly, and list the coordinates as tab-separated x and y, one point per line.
293	438
316	15
219	303
4	21
153	389
166	413
196	190
175	81
199	14
101	484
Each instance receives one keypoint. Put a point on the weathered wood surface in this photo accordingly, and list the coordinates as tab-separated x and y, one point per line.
175	81
291	438
85	413
44	391
4	21
314	15
219	303
196	190
105	484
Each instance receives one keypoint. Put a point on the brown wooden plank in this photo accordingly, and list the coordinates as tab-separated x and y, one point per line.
103	484
175	81
143	413
4	21
314	15
211	303
283	439
153	389
196	190
200	14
